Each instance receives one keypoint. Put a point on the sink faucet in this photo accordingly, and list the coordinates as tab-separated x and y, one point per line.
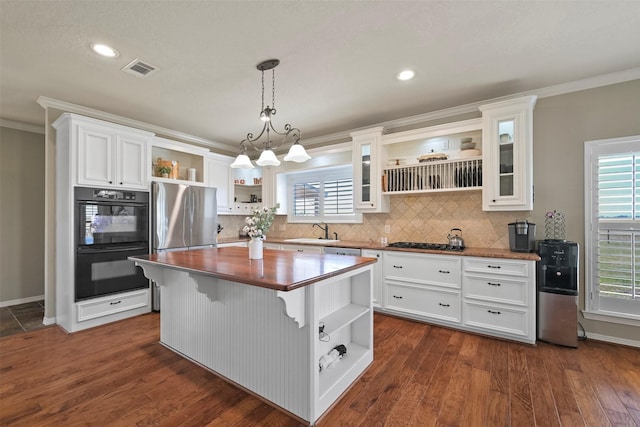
325	229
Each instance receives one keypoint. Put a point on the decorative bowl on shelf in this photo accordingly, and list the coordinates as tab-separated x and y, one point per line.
467	145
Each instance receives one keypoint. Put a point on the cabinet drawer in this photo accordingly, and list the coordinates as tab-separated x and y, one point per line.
113	304
435	270
439	304
302	248
496	288
494	318
497	266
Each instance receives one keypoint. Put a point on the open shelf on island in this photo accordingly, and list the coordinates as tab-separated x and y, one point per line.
331	377
343	317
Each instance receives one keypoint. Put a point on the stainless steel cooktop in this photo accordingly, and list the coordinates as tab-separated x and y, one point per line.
423	245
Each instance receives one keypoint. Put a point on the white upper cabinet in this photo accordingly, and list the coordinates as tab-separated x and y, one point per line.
107	155
367	191
220	176
508	155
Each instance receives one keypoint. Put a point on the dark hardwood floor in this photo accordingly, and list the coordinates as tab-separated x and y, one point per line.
422	375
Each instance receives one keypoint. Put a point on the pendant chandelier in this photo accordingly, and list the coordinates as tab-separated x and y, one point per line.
296	153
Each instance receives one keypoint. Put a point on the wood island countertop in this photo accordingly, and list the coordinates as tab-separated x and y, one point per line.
279	270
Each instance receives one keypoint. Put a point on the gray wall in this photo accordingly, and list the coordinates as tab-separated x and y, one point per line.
561	125
21	214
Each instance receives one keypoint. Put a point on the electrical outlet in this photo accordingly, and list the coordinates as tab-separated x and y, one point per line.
387	228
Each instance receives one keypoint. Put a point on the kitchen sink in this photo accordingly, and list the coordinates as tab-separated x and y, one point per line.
311	240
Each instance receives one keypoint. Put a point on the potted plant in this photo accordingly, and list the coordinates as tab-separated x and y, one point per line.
164	171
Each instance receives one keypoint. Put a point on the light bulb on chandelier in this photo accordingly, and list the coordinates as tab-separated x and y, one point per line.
296	153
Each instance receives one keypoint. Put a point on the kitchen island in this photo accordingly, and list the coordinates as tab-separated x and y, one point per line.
257	323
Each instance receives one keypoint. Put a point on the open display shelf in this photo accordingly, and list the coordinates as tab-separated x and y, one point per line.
343	317
344	308
340	369
440	175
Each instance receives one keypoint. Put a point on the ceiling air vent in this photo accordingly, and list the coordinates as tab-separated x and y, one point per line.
139	68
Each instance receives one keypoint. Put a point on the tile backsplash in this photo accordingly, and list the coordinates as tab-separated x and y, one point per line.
417	218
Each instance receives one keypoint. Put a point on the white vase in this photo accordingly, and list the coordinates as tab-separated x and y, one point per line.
255	248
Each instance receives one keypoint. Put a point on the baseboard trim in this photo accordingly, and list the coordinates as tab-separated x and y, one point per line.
21	301
49	321
613	340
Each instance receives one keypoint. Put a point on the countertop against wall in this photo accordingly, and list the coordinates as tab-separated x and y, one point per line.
472	252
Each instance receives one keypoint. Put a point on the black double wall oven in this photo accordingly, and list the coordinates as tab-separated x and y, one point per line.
111	225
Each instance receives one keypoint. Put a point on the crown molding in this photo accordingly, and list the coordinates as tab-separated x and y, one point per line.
560	89
344	136
21	126
46	102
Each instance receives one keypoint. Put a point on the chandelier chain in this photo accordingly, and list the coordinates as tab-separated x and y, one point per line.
262	108
273	88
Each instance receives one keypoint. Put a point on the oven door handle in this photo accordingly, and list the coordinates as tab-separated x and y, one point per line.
112	203
111	249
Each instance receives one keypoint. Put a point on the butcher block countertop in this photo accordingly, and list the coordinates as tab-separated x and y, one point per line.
279	270
474	252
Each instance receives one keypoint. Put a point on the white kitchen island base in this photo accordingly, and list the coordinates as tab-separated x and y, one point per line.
267	341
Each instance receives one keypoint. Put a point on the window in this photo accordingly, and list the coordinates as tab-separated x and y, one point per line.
322	195
612	227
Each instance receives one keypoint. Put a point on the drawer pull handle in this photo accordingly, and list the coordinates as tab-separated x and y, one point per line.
397	266
493	284
300	250
444	305
115	302
493	266
494	312
444	271
397	297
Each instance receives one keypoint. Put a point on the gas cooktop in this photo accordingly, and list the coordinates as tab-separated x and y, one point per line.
431	246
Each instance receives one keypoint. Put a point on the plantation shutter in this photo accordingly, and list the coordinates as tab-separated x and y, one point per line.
322	195
306	199
338	197
613	226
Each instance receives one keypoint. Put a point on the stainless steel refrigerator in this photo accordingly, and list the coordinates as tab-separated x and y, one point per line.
183	217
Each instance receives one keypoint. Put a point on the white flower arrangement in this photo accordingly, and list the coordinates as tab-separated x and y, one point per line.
260	222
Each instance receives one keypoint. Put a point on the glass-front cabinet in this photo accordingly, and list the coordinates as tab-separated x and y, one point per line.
367	189
508	155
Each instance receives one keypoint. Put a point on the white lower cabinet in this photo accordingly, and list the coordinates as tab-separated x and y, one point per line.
113	304
423	286
424	301
242	244
377	275
499	298
302	248
485	295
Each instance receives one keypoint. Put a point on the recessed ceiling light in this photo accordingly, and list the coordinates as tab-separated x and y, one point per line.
104	50
406	75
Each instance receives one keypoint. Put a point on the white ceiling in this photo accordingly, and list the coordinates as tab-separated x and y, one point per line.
338	59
